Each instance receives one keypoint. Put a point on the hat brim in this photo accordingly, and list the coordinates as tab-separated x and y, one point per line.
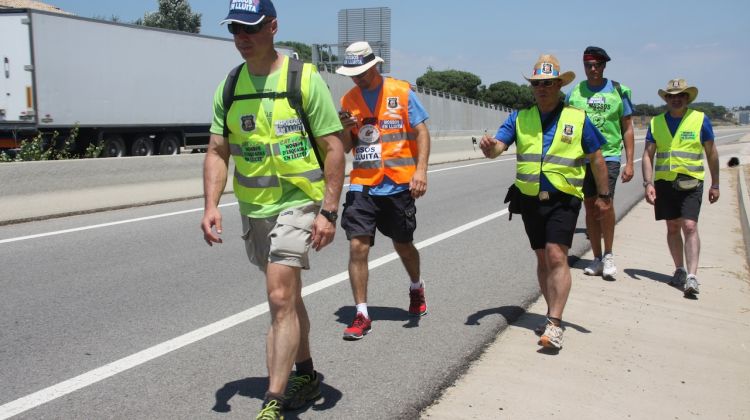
691	91
243	19
565	77
356	71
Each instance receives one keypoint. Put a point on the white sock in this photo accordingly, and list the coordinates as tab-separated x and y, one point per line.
416	285
362	308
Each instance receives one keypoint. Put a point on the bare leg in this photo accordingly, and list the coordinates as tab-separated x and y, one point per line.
359	250
410	258
283	341
593	226
692	244
674	241
558	278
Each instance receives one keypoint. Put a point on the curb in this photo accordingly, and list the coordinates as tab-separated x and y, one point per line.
744	205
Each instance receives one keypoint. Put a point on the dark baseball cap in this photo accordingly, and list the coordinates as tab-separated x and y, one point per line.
595	54
249	12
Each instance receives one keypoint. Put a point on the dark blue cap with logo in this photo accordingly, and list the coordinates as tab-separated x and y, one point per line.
249	12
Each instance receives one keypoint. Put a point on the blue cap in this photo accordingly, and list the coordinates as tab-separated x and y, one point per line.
249	12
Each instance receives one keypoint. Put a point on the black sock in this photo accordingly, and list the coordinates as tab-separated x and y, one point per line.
270	396
305	367
556	321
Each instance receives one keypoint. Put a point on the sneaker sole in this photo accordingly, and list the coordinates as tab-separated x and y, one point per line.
354	337
591	273
292	407
416	314
546	343
691	292
609	276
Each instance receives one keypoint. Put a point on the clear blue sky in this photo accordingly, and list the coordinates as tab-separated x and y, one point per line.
650	42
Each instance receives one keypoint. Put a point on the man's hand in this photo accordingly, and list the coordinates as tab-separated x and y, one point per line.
418	184
602	206
650	194
489	146
627	173
713	195
323	232
211	218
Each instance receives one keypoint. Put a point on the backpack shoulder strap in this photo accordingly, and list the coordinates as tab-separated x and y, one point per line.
294	96
230	83
618	88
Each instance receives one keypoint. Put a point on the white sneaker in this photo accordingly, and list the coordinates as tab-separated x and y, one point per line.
552	337
595	268
691	285
609	270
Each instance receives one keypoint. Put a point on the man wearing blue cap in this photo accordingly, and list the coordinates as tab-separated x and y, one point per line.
288	191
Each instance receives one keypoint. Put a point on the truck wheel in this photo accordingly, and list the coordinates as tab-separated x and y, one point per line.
142	146
169	145
114	146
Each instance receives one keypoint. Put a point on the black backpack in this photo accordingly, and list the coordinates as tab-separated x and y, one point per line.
293	94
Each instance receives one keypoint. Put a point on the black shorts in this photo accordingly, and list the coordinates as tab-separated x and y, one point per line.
552	221
672	204
393	215
589	183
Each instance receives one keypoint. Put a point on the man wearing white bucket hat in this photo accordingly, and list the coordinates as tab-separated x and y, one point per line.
552	143
384	125
678	138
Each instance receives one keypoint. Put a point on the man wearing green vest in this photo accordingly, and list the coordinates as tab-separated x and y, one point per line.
552	144
674	183
288	196
607	103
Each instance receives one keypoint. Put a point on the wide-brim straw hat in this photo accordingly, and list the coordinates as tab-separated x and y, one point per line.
548	67
676	86
358	58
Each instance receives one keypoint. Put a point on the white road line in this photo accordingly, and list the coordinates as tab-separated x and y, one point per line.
93	376
177	213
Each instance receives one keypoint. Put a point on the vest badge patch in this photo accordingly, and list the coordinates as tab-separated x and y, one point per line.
248	122
567	135
288	126
294	148
253	152
391	124
369	134
688	135
392	102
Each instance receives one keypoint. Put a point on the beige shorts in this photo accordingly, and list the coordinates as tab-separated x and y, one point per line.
281	239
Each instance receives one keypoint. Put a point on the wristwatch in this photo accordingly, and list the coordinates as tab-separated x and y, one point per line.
332	216
646	184
606	196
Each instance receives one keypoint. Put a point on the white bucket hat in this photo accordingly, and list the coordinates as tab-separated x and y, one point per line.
358	59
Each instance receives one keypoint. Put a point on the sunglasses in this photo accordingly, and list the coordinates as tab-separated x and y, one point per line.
597	65
676	95
236	28
545	83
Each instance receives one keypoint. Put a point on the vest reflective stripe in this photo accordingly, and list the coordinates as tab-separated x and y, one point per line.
681	153
393	153
268	152
564	164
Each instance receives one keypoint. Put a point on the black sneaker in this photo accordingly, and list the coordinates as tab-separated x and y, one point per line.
301	390
271	411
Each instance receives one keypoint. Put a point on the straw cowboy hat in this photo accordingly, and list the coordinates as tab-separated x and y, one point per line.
547	67
676	86
358	58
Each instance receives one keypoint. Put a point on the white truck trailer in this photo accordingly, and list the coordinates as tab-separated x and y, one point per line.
139	90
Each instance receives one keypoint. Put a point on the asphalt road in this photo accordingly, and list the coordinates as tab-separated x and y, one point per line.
128	314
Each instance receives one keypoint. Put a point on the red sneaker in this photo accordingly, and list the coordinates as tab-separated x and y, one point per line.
358	328
417	304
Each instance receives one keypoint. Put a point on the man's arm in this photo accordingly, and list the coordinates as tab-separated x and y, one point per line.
418	183
324	230
712	157
215	167
647	167
628	139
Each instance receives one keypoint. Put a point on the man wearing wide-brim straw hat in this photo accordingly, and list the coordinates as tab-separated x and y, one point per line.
674	182
552	144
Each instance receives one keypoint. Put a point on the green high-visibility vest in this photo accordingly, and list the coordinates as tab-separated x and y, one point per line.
266	152
681	153
564	165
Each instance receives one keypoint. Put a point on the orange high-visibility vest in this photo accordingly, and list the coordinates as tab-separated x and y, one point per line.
384	142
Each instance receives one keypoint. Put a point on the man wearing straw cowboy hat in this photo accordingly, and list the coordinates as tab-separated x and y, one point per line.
384	124
552	142
678	138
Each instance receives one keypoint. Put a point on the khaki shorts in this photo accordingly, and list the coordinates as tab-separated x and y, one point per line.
282	239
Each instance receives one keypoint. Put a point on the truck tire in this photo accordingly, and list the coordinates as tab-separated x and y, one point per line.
169	145
114	146
142	146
